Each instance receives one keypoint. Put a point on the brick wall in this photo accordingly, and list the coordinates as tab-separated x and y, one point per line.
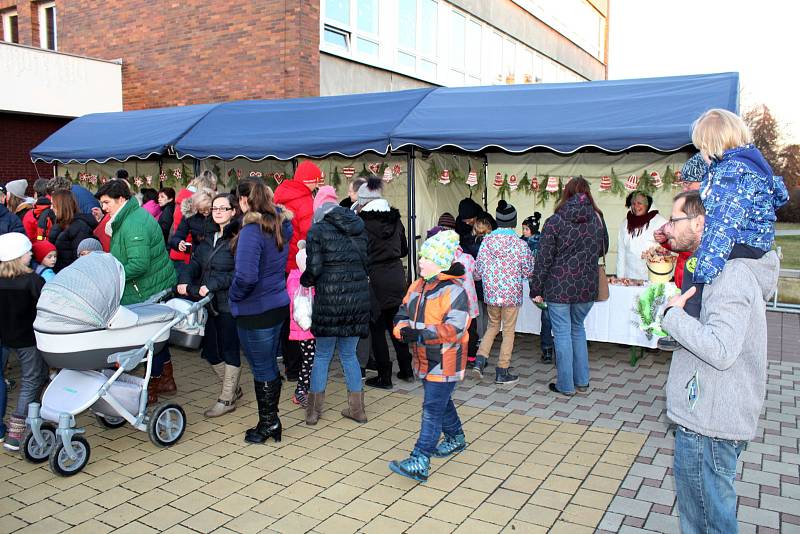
18	135
193	51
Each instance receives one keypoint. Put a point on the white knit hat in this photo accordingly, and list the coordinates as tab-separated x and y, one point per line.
17	188
13	245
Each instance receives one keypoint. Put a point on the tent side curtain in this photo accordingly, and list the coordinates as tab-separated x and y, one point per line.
102	137
613	115
315	127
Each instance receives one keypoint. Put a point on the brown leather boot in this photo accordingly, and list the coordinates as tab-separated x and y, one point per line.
314	407
152	390
355	407
166	384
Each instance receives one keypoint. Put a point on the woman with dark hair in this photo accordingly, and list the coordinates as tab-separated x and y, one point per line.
210	271
259	301
71	227
636	236
565	276
166	200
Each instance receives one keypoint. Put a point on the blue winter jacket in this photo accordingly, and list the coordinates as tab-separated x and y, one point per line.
85	199
740	195
259	282
9	222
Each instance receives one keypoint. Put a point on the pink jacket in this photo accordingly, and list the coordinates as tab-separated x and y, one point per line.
292	284
504	262
153	208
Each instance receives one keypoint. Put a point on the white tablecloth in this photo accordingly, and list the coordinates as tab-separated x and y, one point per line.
612	321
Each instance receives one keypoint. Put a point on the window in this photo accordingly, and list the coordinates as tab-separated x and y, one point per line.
341	32
337	37
457	37
474	49
11	27
496	55
407	25
428	27
338	10
47	26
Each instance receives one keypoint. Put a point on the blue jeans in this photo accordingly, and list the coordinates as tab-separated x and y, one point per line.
159	359
705	469
347	355
572	352
438	415
546	333
260	347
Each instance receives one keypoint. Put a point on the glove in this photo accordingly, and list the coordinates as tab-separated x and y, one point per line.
410	335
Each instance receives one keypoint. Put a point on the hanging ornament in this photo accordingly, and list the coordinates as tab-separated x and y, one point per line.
388	176
163	176
676	181
498	180
605	183
321	177
397	169
348	172
374	168
444	178
513	183
552	185
632	183
278	177
655	180
472	179
534	184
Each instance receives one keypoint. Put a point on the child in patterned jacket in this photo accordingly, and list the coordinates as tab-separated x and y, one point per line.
740	194
433	320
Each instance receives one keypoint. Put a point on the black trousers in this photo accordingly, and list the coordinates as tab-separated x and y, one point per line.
380	348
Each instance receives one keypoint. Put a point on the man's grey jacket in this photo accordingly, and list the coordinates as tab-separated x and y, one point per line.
717	380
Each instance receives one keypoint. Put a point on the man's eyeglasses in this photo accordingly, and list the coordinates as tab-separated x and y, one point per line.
673	220
221	209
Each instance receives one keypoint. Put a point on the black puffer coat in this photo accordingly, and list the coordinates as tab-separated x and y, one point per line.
212	265
194	225
336	267
386	247
67	240
166	218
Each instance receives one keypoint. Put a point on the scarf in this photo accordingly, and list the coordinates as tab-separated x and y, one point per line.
637	223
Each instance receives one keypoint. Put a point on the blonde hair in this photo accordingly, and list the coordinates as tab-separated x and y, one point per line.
205	179
201	199
14	268
718	130
482	226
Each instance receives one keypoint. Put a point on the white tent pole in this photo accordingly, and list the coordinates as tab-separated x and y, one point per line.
412	216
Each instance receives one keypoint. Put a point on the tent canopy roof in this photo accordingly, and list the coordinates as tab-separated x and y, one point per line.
613	115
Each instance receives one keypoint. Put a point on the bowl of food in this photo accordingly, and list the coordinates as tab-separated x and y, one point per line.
660	263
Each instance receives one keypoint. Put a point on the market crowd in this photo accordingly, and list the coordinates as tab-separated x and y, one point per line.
297	275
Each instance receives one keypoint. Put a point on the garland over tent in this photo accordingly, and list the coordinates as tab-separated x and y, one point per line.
612	115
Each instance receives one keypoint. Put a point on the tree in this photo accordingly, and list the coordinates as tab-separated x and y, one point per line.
790	165
766	133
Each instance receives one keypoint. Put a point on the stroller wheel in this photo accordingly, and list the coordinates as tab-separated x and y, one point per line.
109	421
167	424
60	462
36	452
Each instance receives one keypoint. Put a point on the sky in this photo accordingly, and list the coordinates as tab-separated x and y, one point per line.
758	38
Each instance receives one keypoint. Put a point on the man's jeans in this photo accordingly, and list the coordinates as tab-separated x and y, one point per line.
347	355
705	469
572	352
438	415
260	347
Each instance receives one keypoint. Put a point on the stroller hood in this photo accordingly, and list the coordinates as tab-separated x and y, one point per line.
82	297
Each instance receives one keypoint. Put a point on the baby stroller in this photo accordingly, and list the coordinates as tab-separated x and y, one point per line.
82	329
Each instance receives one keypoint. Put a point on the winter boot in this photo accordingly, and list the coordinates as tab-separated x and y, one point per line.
166	386
314	407
355	407
226	402
450	445
384	378
268	394
415	467
16	429
152	390
504	376
480	365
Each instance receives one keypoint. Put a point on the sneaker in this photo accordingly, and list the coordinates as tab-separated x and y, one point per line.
300	398
547	356
470	365
668	344
504	377
16	428
480	365
415	467
450	445
554	389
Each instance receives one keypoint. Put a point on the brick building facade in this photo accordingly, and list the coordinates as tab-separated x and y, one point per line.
18	135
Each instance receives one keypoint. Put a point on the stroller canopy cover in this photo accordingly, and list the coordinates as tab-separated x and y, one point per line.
81	297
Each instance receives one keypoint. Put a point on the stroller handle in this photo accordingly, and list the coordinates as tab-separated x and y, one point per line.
161	295
200	303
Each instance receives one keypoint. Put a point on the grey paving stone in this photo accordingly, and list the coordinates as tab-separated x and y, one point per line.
746	528
668	483
747	489
779	504
633	507
764	448
627	529
632	482
760	477
790	490
648	471
656	495
766	518
663	523
663	460
790	458
611	522
789	528
780	468
784	441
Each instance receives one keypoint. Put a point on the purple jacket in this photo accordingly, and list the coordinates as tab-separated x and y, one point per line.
573	239
259	282
152	208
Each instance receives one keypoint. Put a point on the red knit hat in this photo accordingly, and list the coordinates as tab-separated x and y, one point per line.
42	249
308	173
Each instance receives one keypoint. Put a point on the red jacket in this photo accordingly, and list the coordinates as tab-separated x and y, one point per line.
101	235
31	222
296	197
182	195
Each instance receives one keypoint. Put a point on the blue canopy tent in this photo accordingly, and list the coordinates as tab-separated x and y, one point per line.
102	137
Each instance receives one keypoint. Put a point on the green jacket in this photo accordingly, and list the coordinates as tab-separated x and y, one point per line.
138	243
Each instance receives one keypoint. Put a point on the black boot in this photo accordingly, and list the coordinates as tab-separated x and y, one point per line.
268	394
384	378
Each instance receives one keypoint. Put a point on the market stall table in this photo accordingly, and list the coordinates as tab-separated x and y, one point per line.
612	321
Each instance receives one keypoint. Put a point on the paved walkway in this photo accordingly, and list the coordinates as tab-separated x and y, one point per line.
536	461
